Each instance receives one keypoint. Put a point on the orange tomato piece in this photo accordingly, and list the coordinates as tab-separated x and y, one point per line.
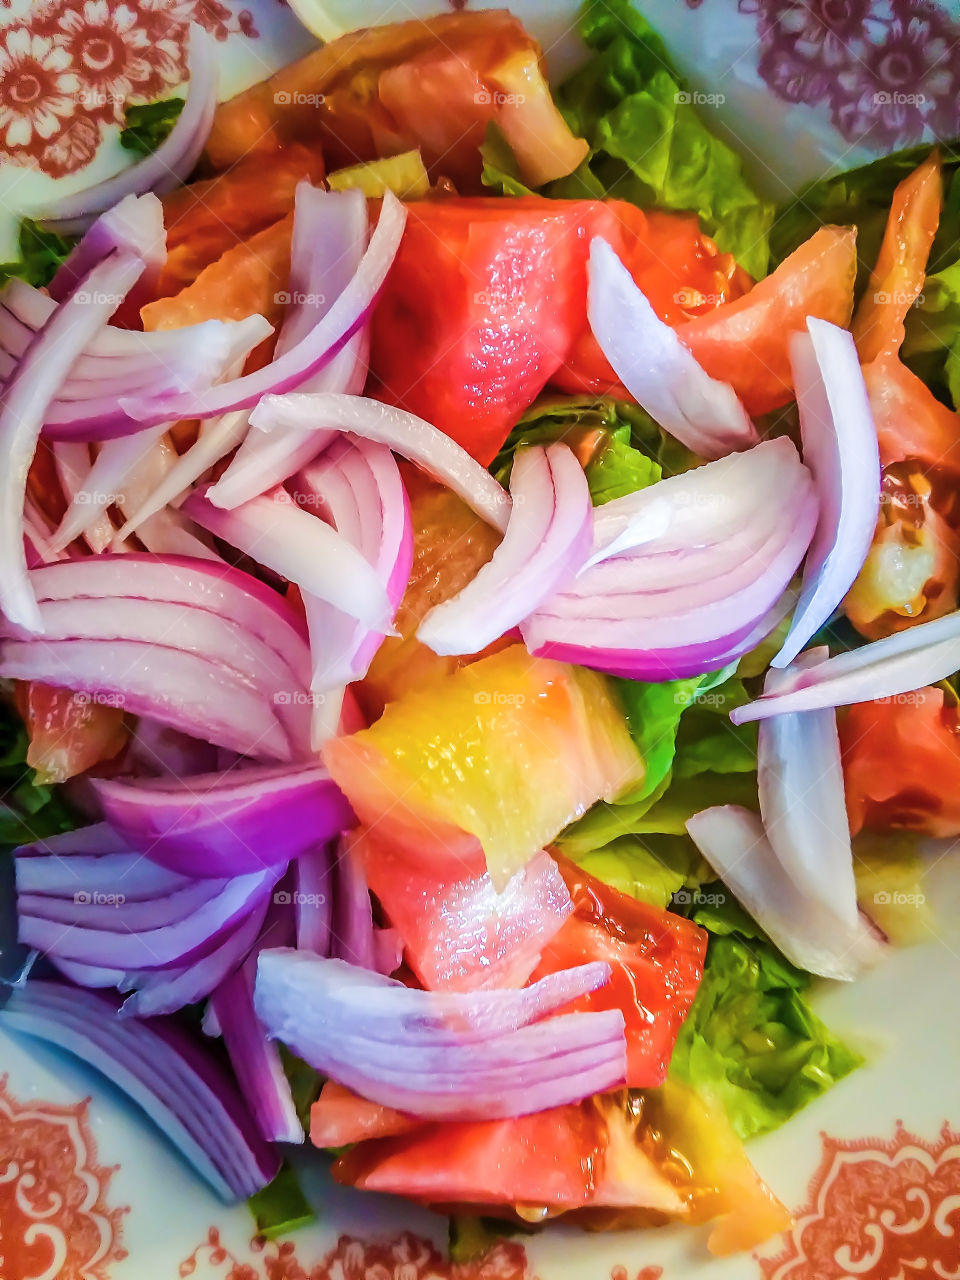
69	732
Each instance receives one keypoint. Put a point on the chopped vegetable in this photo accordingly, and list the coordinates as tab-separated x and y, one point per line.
147	124
403	174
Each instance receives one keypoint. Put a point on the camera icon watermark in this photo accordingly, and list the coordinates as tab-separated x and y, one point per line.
697	898
83	698
286	298
97	898
694	98
497	98
899	898
297	98
298	698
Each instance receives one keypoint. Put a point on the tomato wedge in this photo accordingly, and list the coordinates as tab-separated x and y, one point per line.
747	342
340	1116
69	732
657	962
435	85
205	219
901	763
486	304
898	277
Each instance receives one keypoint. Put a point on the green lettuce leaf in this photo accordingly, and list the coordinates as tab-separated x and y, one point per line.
654	868
41	253
932	344
281	1207
649	144
28	810
147	124
751	1038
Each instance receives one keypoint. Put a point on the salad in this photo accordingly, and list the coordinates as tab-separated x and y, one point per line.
479	611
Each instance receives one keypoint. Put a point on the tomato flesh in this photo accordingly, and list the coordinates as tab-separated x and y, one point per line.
69	732
656	959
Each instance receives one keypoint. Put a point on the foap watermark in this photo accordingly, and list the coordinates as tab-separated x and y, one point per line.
899	898
915	698
497	98
496	698
286	898
697	898
298	698
93	98
95	298
86	498
690	698
690	298
899	298
895	98
97	898
99	699
286	298
297	98
694	98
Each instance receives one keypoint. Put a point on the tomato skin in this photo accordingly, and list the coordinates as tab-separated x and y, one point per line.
340	1116
901	764
69	732
898	276
657	963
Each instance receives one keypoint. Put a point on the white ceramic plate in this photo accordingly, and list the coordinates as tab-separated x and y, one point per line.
89	1190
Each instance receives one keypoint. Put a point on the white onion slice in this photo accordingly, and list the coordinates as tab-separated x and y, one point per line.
881	669
298	545
660	373
840	448
404	433
170	164
548	534
134	224
27	397
733	841
800	780
72	461
329	237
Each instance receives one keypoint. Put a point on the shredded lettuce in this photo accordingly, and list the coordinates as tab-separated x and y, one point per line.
649	144
281	1207
932	345
41	253
751	1038
147	124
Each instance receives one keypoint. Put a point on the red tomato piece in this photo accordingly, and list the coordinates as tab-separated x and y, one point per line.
69	732
657	962
340	1116
901	764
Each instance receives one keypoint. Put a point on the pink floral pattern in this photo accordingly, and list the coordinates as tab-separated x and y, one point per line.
888	69
878	1211
67	72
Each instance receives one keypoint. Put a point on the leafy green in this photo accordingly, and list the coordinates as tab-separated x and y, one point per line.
41	253
648	142
305	1083
500	168
862	197
147	124
751	1038
28	810
281	1207
653	868
624	447
470	1238
932	344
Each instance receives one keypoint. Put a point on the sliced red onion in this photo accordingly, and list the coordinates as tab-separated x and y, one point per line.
168	532
884	668
134	224
102	484
27	396
229	823
353	935
212	586
56	926
445	1055
548	537
301	547
660	373
162	991
314	900
166	167
663	611
88	975
192	1101
357	486
800	779
187	692
255	1059
215	441
840	448
329	237
72	461
733	841
59	873
413	438
347	315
